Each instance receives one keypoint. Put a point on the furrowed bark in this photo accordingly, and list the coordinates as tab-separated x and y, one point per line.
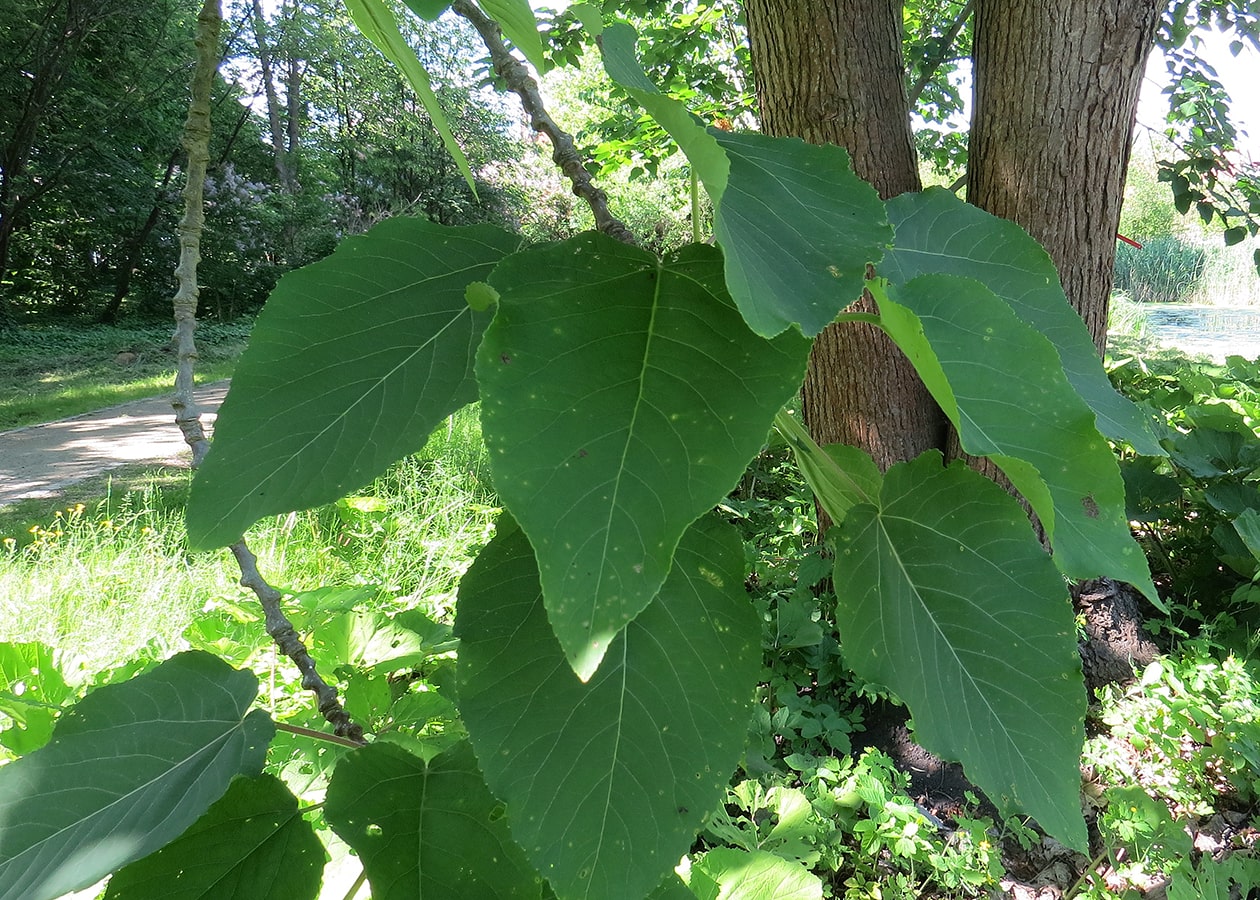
831	72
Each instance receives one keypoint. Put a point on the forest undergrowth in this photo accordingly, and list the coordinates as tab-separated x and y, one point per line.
93	591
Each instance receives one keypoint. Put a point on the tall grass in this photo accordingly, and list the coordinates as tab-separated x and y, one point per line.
1229	276
1182	269
1164	270
105	580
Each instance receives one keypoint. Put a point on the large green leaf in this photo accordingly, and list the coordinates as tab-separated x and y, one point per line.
729	874
1001	383
798	229
128	769
252	844
796	225
938	233
622	398
377	22
426	830
516	18
353	362
606	782
946	597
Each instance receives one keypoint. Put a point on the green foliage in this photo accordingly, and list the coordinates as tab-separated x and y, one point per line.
607	655
1165	269
654	394
377	299
426	828
132	765
251	844
1179	747
939	234
606	781
851	823
1195	726
1191	510
378	24
903	557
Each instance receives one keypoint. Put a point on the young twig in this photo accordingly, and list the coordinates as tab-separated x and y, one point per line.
564	152
197	142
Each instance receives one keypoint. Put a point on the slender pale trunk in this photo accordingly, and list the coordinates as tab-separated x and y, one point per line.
266	66
196	142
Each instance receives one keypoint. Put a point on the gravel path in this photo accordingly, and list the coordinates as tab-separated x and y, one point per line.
40	460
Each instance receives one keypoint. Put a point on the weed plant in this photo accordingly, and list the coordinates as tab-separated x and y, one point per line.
48	372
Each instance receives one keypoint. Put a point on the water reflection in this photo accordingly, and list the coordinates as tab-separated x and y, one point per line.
1212	330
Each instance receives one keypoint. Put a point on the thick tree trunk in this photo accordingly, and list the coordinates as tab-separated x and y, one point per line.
1056	93
830	71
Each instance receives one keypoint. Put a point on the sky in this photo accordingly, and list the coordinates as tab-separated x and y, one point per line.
1238	75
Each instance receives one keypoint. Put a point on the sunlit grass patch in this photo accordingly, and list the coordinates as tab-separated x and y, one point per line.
101	578
53	371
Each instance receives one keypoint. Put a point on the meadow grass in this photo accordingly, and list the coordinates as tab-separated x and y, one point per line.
103	574
48	372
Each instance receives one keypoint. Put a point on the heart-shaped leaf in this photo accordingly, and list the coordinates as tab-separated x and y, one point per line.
945	577
252	844
1001	384
128	769
938	233
623	396
606	782
426	830
798	228
796	225
352	363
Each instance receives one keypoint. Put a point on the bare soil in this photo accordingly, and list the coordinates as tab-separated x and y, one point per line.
42	460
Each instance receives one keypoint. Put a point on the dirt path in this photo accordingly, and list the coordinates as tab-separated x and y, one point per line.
40	460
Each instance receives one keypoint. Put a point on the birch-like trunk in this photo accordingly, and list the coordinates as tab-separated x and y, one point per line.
196	143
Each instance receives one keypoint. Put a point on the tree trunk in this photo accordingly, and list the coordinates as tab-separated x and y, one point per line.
266	68
131	250
1056	93
830	71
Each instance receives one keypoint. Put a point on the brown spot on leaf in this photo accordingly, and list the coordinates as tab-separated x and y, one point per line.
1090	506
505	359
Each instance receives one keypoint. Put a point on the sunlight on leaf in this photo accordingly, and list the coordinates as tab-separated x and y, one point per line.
128	769
606	782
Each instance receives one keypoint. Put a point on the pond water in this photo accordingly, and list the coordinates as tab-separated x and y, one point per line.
1217	331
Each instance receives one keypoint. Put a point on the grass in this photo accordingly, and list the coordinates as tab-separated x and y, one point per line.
48	372
1179	269
106	580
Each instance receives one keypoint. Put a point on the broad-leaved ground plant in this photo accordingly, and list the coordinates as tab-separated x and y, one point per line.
608	653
